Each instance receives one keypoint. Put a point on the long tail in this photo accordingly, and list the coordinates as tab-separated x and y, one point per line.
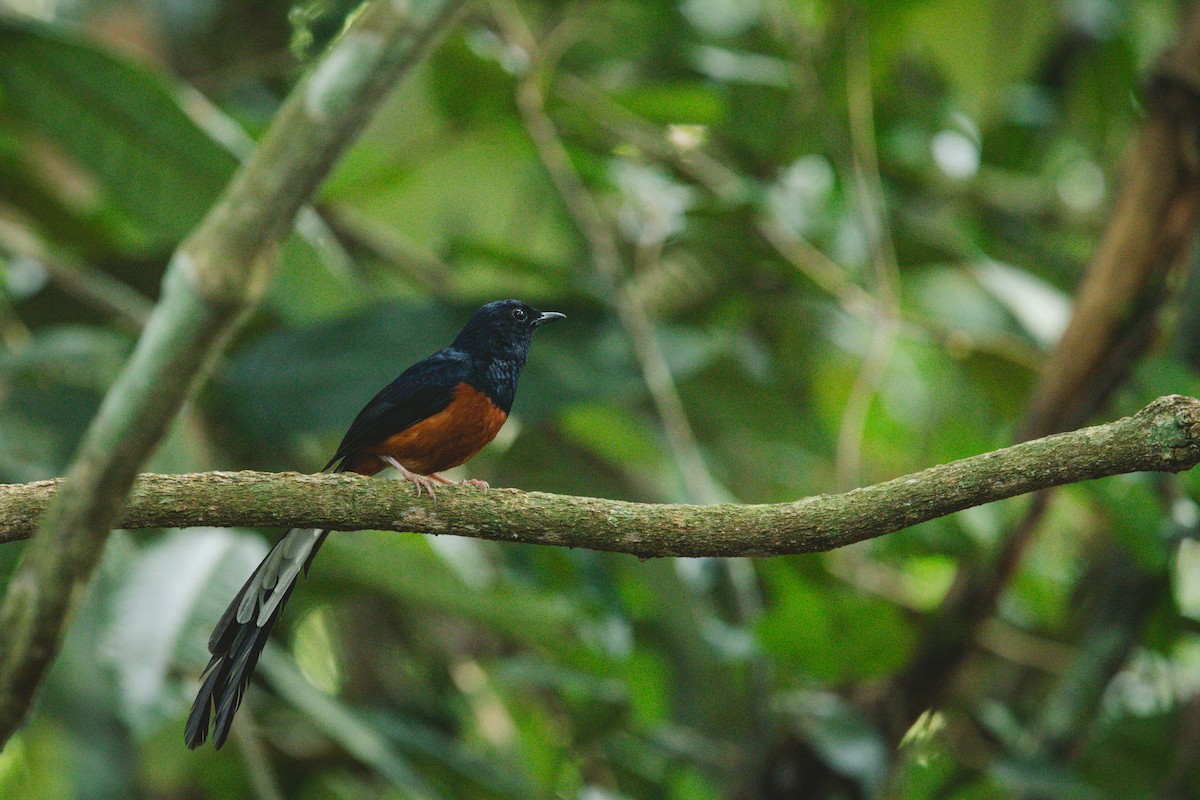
242	632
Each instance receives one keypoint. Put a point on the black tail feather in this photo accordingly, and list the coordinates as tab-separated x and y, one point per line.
236	644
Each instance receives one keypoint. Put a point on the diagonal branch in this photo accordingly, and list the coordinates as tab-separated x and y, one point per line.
1163	437
1148	237
213	279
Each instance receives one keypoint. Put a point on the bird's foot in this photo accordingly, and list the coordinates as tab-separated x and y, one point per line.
478	484
425	482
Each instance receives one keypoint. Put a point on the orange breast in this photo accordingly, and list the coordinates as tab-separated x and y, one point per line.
444	440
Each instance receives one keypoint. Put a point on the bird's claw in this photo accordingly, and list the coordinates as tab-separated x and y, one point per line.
419	481
427	482
478	484
422	482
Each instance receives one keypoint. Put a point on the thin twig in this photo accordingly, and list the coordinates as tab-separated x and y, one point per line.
602	244
410	260
254	756
90	285
886	322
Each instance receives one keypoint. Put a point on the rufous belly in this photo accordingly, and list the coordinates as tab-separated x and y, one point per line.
441	441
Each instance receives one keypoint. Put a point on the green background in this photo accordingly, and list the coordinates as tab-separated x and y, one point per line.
955	160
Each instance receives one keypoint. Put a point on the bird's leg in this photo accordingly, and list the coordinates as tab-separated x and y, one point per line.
420	481
478	484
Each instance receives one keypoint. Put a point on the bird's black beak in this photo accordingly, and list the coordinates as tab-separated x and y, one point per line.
547	316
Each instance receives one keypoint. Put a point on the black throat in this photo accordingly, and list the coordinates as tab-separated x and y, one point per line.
496	377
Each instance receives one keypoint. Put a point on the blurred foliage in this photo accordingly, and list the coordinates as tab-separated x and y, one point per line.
782	176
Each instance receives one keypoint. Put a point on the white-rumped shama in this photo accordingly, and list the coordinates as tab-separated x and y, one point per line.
436	415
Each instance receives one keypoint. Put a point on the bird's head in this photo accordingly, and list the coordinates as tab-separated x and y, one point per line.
503	327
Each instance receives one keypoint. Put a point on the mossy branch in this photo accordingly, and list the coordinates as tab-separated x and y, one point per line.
1163	437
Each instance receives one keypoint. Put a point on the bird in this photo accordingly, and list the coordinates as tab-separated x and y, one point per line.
437	414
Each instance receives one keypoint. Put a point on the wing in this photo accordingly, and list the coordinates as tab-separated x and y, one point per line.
421	391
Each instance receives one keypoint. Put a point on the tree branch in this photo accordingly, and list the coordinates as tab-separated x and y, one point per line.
1149	234
214	277
1163	437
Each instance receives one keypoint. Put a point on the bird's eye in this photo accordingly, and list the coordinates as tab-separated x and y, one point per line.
519	314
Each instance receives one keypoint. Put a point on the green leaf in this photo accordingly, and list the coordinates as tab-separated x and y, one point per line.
965	41
52	387
468	82
1134	508
21	760
458	192
649	680
612	433
675	104
831	635
154	171
1041	779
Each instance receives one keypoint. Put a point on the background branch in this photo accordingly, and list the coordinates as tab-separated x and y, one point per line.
606	256
1148	235
1163	437
885	322
216	275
